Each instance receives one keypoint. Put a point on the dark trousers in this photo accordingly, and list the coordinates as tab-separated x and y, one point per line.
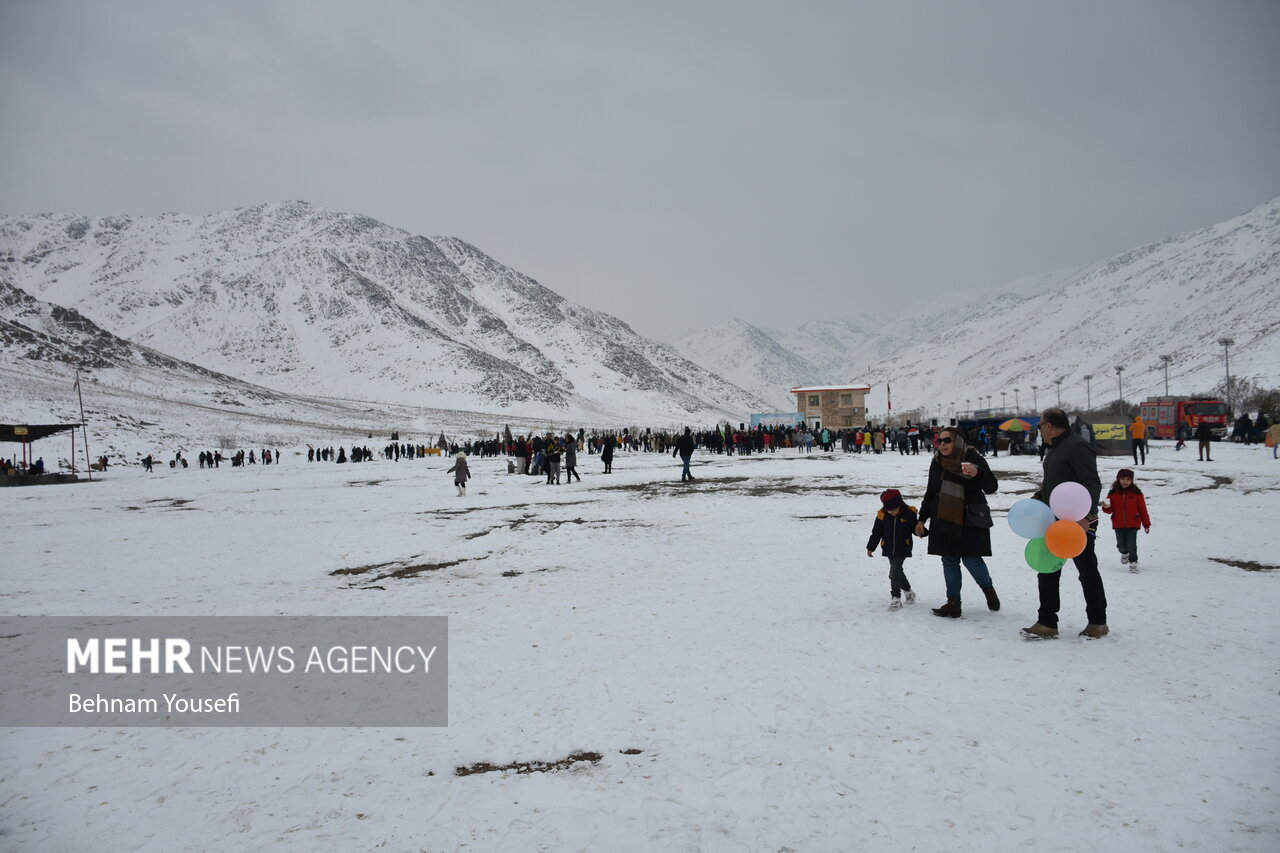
1095	597
897	577
1139	445
1127	542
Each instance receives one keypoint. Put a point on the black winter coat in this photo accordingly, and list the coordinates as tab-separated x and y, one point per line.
895	531
1070	459
973	541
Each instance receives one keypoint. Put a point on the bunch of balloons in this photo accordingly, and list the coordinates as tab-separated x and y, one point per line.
1055	536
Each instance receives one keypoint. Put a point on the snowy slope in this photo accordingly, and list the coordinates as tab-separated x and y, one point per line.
1176	297
749	358
139	401
301	299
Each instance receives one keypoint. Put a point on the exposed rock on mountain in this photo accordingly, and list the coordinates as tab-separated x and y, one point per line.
305	300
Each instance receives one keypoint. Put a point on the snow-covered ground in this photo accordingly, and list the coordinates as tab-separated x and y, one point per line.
725	646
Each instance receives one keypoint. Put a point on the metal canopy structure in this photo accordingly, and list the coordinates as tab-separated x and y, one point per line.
25	434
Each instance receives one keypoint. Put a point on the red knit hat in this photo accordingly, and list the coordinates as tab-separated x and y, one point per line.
891	498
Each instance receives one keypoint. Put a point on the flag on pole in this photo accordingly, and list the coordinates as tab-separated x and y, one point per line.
888	393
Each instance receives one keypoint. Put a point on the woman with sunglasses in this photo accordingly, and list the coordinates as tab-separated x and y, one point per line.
956	503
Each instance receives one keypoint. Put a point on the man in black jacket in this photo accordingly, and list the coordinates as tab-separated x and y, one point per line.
1204	435
684	447
1068	458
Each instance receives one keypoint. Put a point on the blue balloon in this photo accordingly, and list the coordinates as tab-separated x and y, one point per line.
1030	518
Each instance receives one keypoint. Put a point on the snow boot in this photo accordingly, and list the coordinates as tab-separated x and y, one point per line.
1095	632
993	600
895	604
1040	632
951	609
910	596
1124	559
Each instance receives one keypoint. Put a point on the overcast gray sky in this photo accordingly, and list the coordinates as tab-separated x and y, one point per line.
674	164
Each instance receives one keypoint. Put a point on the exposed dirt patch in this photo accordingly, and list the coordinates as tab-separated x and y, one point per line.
529	766
631	751
1218	482
359	570
164	503
512	573
547	525
739	486
1247	565
401	573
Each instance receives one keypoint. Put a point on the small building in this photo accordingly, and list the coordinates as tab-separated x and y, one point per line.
832	406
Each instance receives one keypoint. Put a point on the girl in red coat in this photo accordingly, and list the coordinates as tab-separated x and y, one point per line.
1128	510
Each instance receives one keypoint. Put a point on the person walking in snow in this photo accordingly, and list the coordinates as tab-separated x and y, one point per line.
684	447
1127	507
894	526
1138	429
1068	458
606	453
955	501
461	473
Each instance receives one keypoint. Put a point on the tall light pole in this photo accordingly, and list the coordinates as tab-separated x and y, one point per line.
1226	354
1016	406
1088	396
1058	382
1004	406
968	404
1035	401
1120	386
1166	359
988	401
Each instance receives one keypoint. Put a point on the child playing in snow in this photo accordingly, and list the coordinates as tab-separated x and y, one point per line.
894	525
1128	509
460	473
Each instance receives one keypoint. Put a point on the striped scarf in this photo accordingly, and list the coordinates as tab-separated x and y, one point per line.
951	501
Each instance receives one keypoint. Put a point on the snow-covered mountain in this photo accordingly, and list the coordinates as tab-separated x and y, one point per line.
137	400
310	301
751	359
1177	297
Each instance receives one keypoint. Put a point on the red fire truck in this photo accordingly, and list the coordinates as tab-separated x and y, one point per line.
1164	414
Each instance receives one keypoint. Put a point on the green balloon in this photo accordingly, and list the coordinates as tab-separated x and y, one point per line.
1040	558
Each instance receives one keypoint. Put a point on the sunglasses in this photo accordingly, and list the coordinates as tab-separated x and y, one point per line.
945	440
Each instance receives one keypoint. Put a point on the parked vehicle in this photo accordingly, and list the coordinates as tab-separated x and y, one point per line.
1164	414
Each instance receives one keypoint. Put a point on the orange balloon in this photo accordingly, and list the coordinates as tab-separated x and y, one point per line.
1065	539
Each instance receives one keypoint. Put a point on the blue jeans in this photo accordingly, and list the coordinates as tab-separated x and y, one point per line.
684	471
951	573
1127	542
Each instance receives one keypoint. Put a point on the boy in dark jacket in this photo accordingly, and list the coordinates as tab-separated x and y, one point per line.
894	526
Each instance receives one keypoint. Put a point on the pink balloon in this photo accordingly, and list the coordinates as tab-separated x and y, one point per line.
1070	501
